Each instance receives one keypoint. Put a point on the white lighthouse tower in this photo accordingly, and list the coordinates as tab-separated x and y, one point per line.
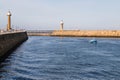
61	25
9	21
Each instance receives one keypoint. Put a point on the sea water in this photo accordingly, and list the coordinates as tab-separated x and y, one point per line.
63	58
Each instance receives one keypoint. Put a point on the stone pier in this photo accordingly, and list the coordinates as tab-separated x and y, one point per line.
9	41
87	33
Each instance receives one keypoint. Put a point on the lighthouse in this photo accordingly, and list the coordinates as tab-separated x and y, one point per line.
61	25
9	21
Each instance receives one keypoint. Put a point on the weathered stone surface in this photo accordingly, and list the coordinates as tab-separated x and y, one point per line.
10	41
87	33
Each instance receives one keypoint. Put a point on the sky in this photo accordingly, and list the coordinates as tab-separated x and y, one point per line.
47	14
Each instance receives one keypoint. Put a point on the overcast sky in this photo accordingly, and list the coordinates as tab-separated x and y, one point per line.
47	14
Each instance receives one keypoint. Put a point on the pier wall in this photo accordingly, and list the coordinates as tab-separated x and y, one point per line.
39	32
87	33
9	41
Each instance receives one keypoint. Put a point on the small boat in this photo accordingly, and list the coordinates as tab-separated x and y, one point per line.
93	41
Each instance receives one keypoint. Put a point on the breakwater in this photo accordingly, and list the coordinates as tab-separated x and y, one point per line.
87	33
39	32
9	41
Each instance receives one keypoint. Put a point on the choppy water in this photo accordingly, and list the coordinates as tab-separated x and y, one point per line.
54	58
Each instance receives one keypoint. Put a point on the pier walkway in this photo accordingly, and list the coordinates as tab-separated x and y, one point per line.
10	32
